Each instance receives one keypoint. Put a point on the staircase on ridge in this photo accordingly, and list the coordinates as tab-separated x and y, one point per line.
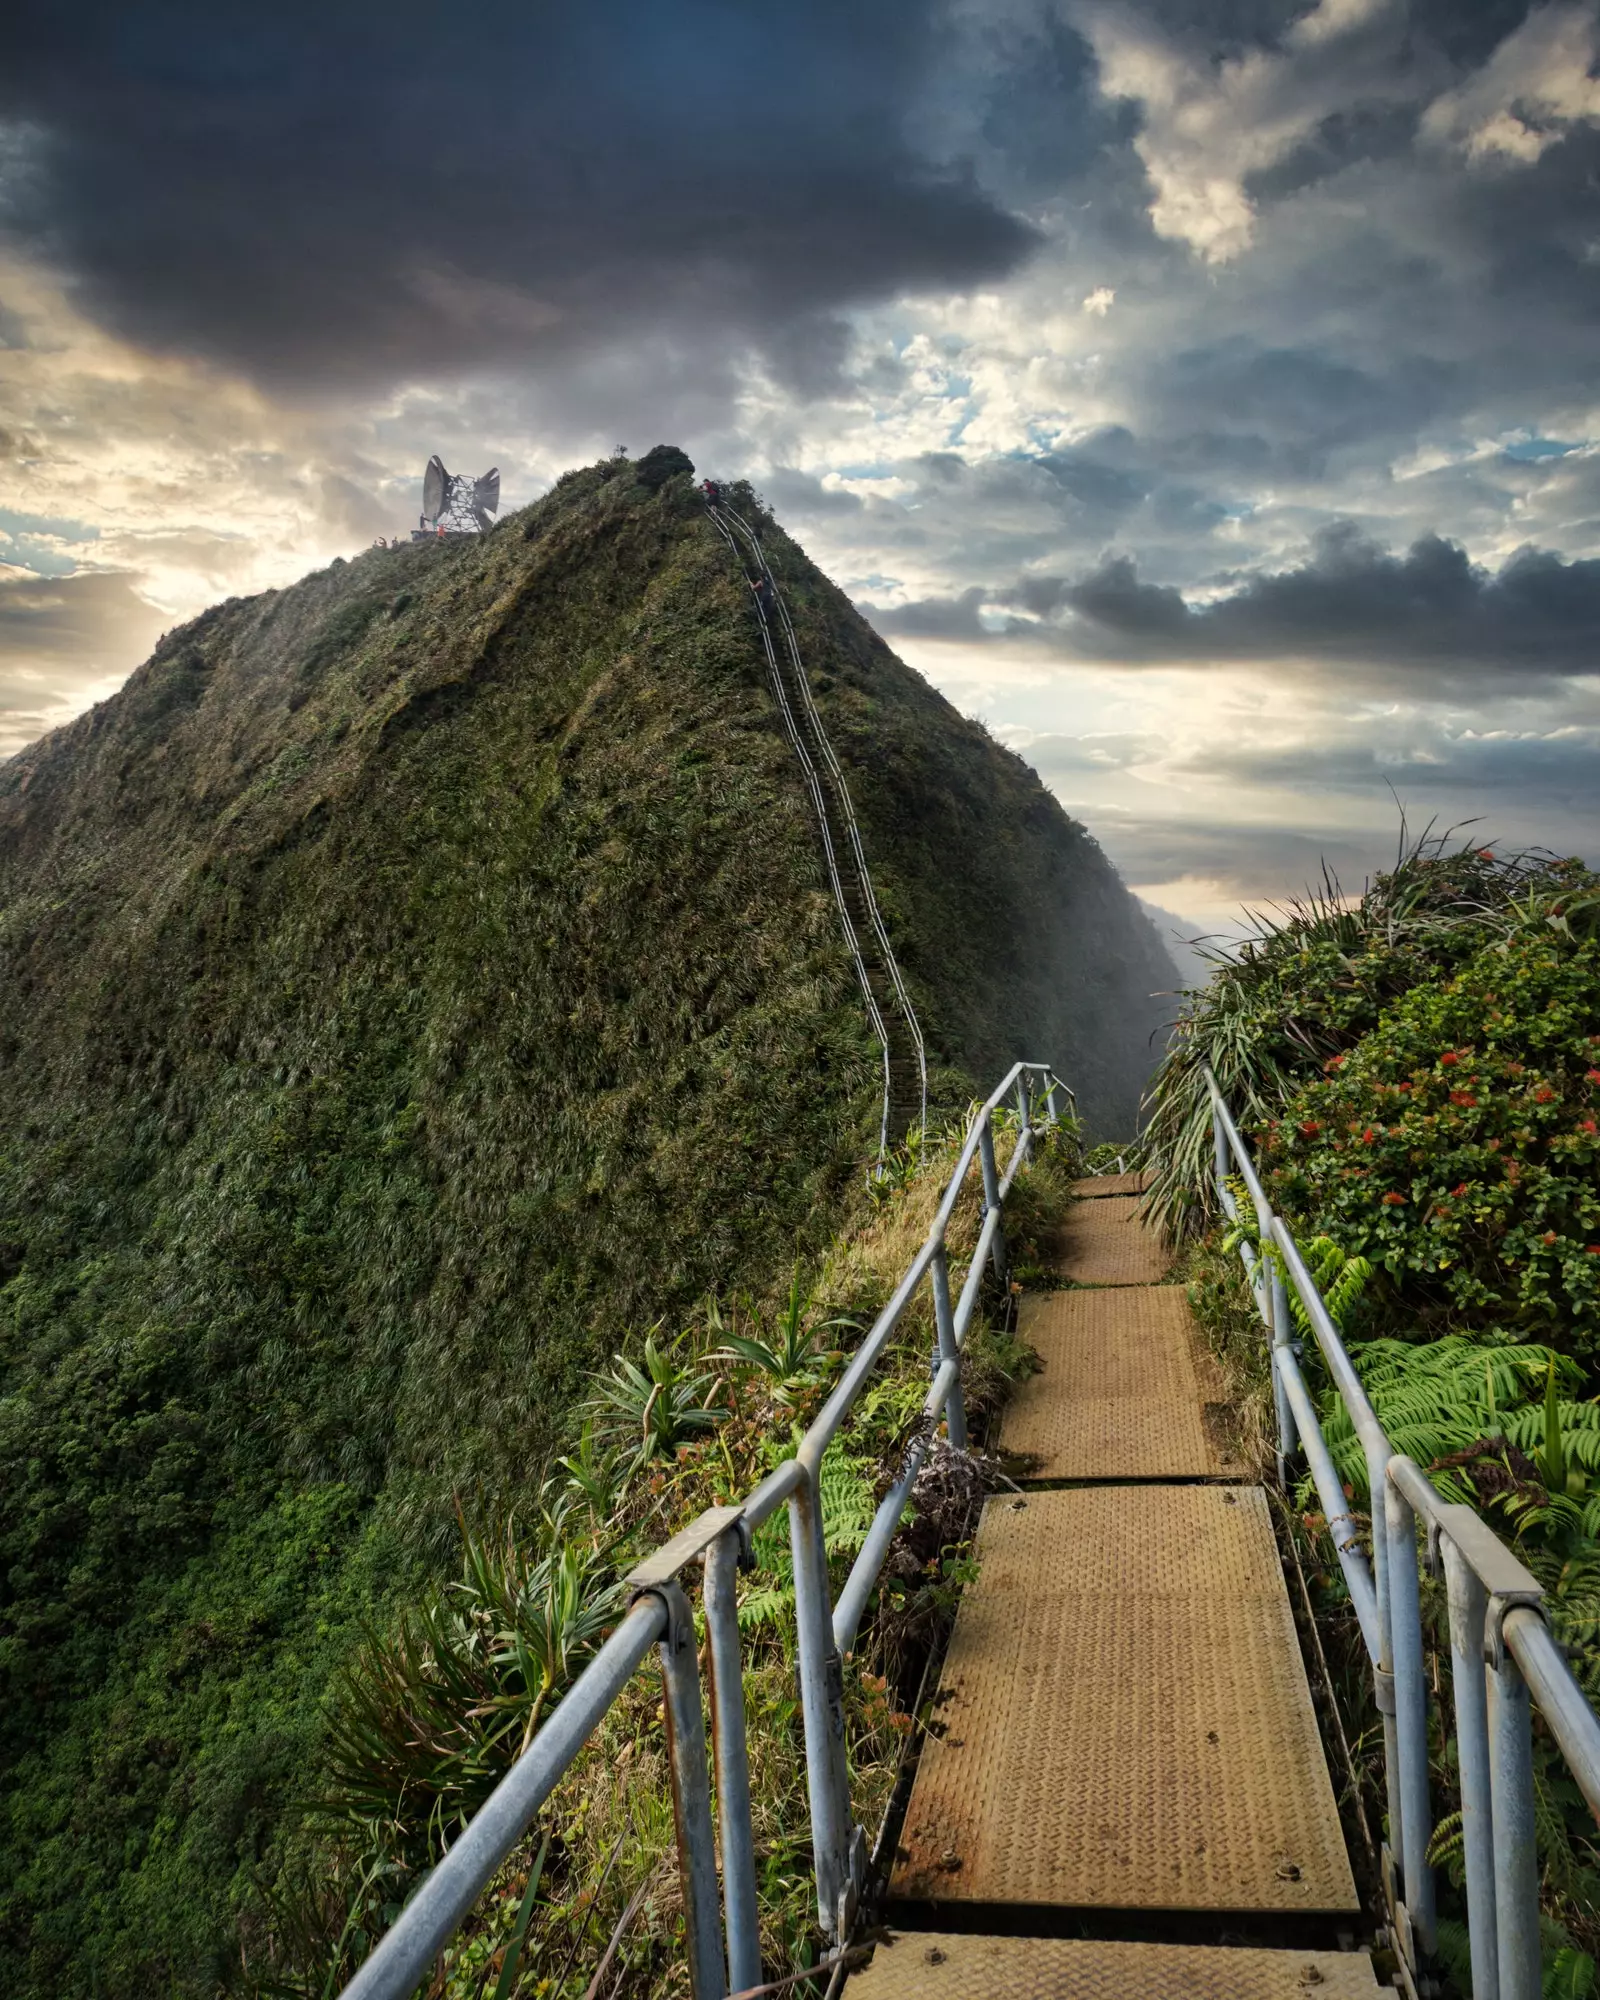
1125	1794
889	1006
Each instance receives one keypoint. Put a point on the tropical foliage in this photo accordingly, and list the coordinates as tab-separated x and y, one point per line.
1417	1071
433	1709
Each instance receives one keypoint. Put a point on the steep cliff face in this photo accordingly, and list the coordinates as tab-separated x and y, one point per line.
411	984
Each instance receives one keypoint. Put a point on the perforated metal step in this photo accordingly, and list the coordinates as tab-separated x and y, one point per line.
1105	1243
1125	1717
947	1966
1099	1184
1123	1390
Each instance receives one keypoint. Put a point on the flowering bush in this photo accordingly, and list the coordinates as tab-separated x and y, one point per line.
1457	1147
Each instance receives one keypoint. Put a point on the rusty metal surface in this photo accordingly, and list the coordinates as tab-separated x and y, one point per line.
1125	1715
1123	1388
950	1966
1098	1184
1105	1243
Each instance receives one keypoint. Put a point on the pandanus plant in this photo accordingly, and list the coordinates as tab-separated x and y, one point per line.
793	1361
430	1718
658	1404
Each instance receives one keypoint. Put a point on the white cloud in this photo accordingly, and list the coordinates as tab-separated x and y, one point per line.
1100	301
1532	90
1209	126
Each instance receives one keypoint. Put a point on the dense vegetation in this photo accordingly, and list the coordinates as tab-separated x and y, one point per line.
417	984
1418	1071
427	1716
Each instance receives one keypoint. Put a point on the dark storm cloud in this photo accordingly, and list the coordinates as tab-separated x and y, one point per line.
1557	769
1352	603
321	194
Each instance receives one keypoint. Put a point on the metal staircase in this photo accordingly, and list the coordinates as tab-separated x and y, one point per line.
1126	1794
889	1008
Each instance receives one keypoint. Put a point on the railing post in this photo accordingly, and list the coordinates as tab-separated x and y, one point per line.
1516	1858
1024	1111
822	1706
1051	1115
1282	1341
691	1798
991	1196
955	1409
1468	1600
1411	1710
1383	1667
726	1668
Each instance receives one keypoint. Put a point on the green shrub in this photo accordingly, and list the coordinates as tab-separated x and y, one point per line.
1456	1147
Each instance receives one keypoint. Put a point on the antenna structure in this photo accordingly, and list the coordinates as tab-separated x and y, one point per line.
453	504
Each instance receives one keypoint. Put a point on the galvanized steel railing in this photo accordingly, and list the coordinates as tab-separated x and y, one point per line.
1504	1659
772	610
660	1616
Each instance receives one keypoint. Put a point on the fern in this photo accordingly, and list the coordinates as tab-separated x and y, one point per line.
847	1512
1444	1398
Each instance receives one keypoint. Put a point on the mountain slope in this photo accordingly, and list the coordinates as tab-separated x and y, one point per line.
413	983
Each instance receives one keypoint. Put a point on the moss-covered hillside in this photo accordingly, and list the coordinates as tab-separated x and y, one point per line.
411	984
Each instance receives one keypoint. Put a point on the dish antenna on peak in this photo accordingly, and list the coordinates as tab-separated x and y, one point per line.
452	504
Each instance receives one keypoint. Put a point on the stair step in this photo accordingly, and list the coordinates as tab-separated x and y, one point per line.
1099	1184
956	1966
1125	1717
1105	1243
1123	1390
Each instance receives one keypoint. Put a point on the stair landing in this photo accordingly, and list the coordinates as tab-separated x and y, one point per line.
1123	1717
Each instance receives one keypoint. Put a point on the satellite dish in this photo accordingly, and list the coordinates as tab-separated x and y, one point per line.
486	499
453	504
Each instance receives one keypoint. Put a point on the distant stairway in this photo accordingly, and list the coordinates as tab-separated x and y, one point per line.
1125	1797
889	1009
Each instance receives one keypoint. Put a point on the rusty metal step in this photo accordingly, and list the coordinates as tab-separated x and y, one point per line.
1104	1243
1123	1392
1124	1717
956	1966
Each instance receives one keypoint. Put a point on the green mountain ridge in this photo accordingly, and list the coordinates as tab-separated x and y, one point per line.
417	982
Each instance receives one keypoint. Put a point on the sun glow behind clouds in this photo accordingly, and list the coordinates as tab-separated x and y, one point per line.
1295	305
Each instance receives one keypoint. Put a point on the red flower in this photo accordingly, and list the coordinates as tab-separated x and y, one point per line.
1594	1249
1393	1200
1367	1136
1545	1095
1485	853
1459	1190
1311	1128
1591	1076
1462	1097
1588	1125
1549	1236
1449	1057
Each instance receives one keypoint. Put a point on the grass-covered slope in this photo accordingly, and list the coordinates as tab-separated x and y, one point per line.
411	984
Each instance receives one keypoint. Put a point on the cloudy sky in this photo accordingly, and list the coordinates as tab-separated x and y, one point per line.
1203	392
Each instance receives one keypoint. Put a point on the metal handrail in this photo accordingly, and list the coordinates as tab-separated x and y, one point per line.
721	514
819	807
1505	1660
847	807
723	1942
